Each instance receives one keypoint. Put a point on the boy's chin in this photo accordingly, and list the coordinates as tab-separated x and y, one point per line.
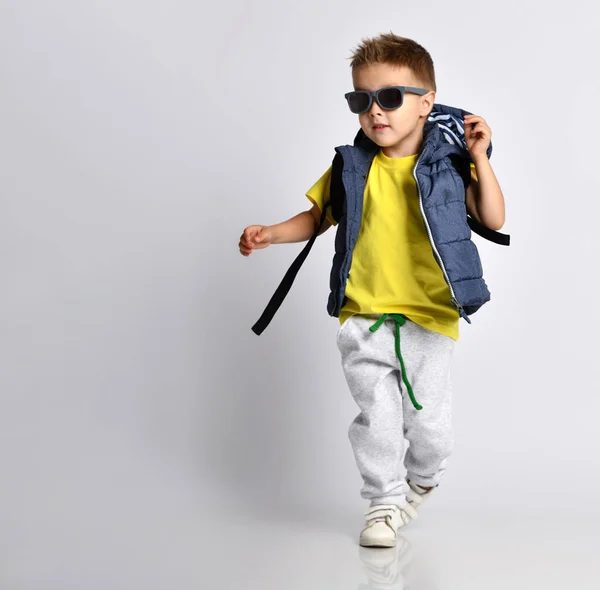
381	142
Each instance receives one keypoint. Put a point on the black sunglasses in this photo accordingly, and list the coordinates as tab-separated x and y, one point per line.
388	98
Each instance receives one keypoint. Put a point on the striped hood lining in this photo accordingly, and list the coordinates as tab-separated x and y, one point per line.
449	121
451	127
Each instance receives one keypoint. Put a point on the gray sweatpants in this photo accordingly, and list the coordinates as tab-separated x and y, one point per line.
388	416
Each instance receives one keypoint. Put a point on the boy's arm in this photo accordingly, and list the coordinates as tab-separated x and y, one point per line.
299	228
485	201
316	212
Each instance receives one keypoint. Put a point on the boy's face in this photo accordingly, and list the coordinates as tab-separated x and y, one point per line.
403	125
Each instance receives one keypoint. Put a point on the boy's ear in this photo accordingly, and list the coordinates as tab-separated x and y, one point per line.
427	102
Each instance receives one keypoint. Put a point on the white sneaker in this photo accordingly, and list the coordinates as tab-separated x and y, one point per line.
417	495
383	521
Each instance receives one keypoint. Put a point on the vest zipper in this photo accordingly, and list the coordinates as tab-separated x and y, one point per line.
453	300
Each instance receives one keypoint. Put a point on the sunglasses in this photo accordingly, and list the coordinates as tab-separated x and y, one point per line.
388	98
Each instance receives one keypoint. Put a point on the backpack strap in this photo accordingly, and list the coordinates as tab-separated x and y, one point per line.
336	202
287	282
487	233
337	191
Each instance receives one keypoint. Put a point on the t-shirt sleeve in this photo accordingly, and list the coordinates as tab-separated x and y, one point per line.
318	194
473	170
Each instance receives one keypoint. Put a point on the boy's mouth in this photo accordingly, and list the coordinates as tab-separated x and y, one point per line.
380	127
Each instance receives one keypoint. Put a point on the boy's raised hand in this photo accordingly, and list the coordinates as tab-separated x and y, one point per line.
255	237
477	135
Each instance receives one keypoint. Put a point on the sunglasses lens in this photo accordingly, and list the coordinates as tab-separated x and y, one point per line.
390	98
358	101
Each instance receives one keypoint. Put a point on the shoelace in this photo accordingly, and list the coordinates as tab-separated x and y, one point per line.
400	320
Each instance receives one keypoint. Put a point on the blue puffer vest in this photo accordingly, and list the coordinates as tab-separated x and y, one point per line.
441	174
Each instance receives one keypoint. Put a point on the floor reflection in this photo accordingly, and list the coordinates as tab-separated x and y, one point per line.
385	568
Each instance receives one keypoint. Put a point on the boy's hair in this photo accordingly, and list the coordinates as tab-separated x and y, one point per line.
396	51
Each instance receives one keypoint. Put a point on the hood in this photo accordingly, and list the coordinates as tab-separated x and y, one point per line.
443	134
445	124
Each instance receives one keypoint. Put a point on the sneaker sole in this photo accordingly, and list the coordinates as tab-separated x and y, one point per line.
374	543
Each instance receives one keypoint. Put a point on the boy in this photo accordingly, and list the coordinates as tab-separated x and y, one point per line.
405	269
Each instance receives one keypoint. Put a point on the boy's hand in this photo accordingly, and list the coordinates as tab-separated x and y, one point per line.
255	237
477	139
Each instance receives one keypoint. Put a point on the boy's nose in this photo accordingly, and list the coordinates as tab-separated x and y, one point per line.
375	108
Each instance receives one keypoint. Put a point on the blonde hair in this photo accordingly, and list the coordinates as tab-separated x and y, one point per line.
396	51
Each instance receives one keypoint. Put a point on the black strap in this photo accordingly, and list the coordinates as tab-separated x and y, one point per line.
287	282
487	233
337	191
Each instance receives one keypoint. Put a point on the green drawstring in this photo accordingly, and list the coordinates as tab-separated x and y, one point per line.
400	321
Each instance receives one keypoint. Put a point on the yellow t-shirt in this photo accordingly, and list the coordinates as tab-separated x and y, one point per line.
393	267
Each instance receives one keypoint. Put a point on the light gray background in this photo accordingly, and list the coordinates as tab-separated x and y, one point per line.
141	420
